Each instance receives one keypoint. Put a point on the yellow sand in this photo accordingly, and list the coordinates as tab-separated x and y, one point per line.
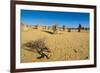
63	45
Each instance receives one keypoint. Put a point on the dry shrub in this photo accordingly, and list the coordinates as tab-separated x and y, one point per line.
63	27
39	46
54	28
69	29
35	27
79	28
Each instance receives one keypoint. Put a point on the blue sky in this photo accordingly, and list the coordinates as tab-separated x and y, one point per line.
69	19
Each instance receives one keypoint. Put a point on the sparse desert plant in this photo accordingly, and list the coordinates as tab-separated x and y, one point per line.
63	27
44	27
69	29
83	28
79	28
54	28
39	46
86	29
48	27
35	26
59	28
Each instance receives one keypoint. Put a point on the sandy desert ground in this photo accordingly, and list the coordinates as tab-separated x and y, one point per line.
63	45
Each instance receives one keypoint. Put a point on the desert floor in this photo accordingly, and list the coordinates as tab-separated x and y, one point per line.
63	45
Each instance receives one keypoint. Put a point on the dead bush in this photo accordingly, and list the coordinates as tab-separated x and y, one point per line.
39	46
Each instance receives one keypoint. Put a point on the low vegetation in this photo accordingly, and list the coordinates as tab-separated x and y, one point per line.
39	46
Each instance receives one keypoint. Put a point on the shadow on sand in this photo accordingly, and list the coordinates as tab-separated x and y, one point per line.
48	32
